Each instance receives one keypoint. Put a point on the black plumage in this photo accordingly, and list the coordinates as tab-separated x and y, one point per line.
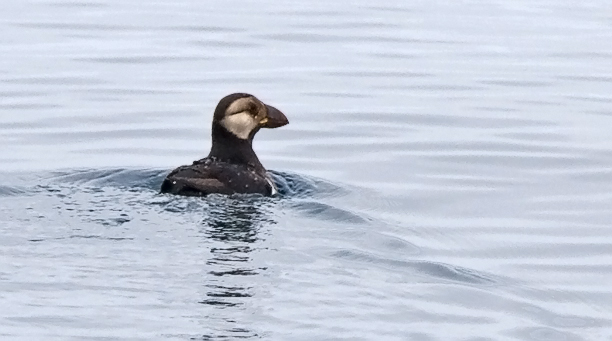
231	166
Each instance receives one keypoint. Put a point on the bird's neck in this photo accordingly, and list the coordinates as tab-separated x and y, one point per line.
227	147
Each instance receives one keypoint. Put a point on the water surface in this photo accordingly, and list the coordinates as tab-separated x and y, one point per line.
446	173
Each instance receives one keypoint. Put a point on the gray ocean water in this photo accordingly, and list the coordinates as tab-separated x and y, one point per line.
446	175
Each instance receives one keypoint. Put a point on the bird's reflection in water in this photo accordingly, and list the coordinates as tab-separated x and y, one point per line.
233	229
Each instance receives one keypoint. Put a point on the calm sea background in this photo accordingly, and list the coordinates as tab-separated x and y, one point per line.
446	175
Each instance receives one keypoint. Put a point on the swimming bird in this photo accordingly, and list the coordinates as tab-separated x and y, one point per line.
231	166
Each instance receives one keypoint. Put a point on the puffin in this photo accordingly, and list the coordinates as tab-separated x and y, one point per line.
231	167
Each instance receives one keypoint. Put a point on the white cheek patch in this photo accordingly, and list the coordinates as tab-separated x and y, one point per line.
240	124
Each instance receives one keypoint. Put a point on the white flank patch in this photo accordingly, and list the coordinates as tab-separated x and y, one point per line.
274	190
240	124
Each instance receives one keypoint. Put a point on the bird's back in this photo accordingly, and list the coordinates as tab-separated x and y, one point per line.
208	176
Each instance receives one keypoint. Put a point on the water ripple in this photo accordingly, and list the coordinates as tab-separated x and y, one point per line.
426	268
